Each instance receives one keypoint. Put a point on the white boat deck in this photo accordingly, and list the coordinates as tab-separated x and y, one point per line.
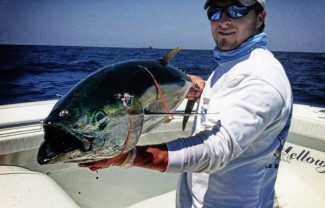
300	183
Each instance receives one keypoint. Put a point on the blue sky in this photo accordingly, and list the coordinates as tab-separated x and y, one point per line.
292	25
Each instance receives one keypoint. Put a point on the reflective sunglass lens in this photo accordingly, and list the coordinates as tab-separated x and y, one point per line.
214	14
237	11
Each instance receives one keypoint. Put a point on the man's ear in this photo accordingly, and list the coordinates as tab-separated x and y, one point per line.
261	18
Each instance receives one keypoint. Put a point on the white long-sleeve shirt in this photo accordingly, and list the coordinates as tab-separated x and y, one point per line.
230	159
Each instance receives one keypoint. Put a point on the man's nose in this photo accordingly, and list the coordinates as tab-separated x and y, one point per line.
224	19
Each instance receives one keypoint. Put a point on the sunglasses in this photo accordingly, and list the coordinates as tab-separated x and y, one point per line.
234	11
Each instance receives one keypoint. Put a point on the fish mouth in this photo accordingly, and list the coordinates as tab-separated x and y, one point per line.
57	143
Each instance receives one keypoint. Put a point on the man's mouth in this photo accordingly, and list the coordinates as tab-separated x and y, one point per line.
226	33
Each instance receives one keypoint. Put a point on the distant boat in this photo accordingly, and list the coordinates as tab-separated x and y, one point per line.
150	46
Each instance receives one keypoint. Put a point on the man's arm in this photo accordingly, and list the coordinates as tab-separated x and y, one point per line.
153	157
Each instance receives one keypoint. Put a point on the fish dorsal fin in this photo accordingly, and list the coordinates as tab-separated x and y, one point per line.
166	58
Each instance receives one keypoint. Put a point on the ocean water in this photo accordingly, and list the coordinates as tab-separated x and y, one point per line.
37	73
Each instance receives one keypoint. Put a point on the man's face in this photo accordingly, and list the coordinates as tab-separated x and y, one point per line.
229	33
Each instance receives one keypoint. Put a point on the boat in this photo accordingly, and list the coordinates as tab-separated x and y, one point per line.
25	183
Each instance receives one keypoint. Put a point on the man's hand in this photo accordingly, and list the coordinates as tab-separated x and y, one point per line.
105	163
197	88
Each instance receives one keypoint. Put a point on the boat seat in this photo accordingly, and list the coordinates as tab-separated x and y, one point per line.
20	187
300	182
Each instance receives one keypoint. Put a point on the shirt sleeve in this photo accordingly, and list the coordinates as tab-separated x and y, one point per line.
246	106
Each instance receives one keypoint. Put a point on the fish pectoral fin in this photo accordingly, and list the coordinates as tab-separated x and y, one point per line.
167	57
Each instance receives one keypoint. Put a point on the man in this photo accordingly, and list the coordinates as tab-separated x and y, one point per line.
233	156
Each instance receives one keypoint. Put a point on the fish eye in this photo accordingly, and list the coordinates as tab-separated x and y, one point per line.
64	113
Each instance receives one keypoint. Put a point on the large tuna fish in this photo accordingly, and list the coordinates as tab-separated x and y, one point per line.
106	113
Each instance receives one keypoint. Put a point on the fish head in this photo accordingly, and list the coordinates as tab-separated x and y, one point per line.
88	125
